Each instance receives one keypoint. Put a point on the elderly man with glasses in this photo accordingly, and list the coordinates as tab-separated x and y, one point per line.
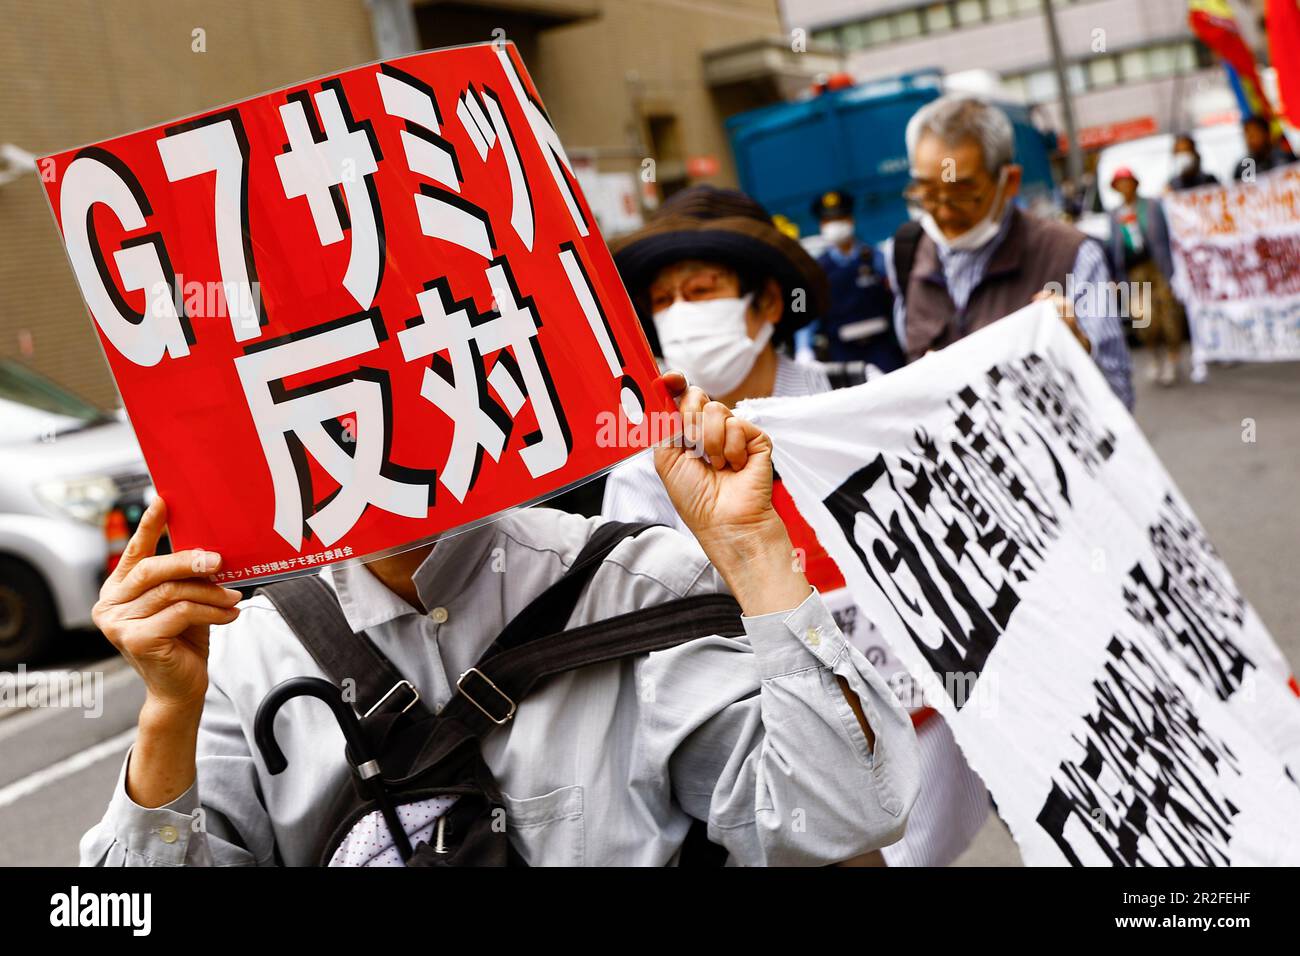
973	256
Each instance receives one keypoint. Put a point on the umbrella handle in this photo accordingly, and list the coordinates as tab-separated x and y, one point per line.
264	722
366	768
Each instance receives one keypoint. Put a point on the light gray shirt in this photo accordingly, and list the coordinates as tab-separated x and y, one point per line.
606	765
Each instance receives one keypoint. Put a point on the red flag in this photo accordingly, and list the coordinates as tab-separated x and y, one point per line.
1283	19
1215	25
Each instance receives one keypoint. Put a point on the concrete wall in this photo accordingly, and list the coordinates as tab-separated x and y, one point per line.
583	71
77	71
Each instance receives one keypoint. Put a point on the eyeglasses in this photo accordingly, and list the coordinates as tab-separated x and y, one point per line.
697	286
957	195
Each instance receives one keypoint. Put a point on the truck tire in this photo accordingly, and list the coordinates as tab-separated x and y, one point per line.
28	624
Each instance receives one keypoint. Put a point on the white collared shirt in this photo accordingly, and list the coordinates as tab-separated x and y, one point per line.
606	765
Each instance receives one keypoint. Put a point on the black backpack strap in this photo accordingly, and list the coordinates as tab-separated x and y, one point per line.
550	611
311	609
487	695
906	240
535	644
489	692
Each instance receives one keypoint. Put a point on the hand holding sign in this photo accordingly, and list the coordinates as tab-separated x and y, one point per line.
1065	309
720	482
156	610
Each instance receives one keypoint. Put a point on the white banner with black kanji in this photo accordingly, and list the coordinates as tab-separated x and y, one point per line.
1000	517
1236	252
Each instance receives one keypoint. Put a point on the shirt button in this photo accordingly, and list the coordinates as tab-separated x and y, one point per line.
439	615
814	636
168	834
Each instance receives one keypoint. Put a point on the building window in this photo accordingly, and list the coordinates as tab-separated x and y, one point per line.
1134	64
1159	61
1040	86
1167	59
831	37
1103	71
969	11
1077	77
665	138
853	36
1163	61
907	24
938	18
877	31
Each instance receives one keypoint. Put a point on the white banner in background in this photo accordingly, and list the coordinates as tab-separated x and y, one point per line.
1237	266
1000	517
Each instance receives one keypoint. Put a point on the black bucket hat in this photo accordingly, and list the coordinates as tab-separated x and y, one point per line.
728	227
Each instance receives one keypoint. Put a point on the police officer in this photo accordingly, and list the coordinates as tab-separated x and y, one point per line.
857	326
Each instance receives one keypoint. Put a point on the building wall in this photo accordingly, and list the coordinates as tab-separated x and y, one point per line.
1008	44
601	78
78	71
1019	44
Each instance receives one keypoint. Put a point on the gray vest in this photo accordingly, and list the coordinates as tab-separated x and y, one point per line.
1033	253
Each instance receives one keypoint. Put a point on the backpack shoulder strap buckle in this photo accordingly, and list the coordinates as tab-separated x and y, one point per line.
415	697
509	704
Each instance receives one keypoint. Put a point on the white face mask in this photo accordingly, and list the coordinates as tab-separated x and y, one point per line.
709	342
1183	163
837	231
978	234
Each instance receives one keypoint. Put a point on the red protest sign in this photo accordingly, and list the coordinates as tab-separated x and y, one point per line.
355	313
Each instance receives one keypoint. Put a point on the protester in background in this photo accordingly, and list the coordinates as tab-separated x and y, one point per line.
1072	199
1262	152
974	257
1189	175
1139	250
728	288
1187	166
715	285
707	259
858	325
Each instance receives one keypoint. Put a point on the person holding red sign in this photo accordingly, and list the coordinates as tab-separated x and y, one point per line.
412	285
787	744
711	252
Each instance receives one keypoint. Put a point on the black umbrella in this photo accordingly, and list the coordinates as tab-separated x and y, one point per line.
365	767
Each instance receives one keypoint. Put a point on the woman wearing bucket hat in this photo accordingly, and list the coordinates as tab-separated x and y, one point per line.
717	286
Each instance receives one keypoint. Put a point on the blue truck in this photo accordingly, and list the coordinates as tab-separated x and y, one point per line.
852	139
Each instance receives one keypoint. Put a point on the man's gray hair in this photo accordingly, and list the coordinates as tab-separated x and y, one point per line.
958	117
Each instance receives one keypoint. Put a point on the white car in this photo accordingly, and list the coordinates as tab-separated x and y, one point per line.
65	463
